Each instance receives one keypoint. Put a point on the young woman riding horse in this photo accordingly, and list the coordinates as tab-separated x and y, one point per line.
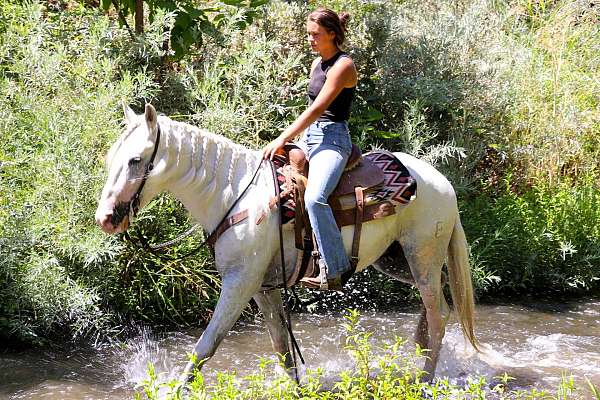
326	141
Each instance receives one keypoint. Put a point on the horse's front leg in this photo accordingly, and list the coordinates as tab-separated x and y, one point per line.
237	289
271	306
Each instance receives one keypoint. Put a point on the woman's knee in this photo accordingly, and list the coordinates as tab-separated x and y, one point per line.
298	160
314	199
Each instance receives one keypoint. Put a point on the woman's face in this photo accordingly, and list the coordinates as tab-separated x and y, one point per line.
318	37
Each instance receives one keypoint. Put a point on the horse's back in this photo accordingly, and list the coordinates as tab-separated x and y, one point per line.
423	226
435	203
430	181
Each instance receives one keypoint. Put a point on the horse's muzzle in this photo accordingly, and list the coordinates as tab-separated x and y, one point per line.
115	220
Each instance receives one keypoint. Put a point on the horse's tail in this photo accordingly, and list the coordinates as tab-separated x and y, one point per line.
461	287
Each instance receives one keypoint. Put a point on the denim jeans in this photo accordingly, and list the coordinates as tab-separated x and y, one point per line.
327	146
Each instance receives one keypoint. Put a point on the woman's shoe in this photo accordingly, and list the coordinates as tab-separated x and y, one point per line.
322	283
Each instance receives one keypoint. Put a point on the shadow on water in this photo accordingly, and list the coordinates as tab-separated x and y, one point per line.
535	345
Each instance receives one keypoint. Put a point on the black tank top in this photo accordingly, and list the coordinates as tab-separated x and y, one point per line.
339	109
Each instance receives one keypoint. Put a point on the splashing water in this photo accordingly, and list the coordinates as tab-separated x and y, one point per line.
536	345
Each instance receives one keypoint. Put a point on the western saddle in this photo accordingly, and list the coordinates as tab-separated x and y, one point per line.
348	203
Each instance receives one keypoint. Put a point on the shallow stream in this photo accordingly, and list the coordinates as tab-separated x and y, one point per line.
536	344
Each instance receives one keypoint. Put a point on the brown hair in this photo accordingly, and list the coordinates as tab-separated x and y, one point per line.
332	22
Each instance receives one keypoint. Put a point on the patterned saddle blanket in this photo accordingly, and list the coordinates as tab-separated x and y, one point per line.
395	188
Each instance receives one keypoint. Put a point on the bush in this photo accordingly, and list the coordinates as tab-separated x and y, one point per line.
61	277
544	240
58	93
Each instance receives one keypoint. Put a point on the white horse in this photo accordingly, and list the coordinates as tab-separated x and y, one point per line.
207	173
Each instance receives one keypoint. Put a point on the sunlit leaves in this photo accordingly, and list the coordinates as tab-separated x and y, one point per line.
192	20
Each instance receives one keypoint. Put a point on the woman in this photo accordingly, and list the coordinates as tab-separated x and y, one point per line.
326	140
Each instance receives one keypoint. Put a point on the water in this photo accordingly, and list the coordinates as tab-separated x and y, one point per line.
535	344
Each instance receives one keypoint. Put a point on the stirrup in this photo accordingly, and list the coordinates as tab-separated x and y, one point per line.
322	283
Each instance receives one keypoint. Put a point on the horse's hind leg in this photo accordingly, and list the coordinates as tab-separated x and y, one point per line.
271	306
421	333
425	266
394	264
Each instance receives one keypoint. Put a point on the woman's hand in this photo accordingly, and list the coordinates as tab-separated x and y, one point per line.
270	149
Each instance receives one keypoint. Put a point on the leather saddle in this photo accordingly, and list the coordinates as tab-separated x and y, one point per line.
350	205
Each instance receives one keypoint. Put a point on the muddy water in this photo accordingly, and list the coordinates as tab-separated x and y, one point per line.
535	344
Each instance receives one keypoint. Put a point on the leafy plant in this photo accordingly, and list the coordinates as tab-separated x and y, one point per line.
191	20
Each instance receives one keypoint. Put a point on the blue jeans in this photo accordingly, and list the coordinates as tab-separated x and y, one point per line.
327	146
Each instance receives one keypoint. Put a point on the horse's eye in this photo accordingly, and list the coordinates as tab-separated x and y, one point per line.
134	161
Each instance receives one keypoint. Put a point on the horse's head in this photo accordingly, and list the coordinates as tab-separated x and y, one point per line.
130	161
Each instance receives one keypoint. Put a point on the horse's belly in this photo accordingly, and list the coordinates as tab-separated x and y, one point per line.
376	236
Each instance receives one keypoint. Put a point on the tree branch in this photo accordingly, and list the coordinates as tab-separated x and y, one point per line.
122	18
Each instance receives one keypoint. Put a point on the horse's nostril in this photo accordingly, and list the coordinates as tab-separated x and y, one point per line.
103	219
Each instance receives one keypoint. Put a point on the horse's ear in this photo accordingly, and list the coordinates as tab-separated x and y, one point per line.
129	114
151	117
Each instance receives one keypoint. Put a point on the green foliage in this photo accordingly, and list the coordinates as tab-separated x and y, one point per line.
553	130
425	74
384	377
502	96
61	277
48	169
248	94
544	239
190	20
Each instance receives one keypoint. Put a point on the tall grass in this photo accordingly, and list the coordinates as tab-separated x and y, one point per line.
554	115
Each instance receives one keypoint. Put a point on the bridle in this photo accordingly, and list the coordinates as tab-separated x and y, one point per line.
134	203
123	209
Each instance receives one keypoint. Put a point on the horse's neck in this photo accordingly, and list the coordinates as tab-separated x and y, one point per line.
206	172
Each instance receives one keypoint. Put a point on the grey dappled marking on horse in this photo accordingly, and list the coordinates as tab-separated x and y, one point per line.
208	172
